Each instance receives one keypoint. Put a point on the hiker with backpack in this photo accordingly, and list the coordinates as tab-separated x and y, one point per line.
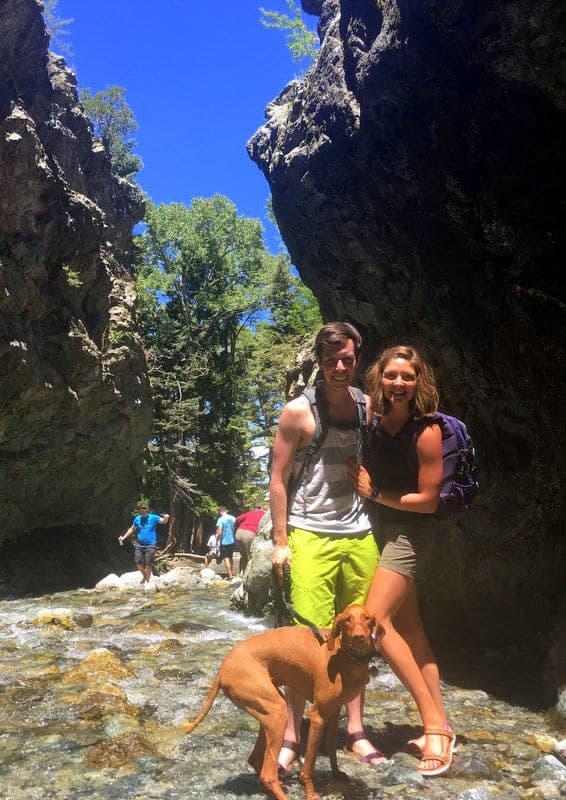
321	531
403	476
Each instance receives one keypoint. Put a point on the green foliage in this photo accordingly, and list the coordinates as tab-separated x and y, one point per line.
302	42
114	122
73	278
222	320
201	280
57	28
295	316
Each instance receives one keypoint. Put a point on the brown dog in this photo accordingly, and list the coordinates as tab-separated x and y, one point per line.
328	674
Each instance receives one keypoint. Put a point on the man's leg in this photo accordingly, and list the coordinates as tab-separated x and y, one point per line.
140	561
295	710
356	577
149	559
314	567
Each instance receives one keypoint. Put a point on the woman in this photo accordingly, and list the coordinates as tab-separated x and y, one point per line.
403	476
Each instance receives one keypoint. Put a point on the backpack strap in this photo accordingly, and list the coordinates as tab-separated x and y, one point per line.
320	414
319	410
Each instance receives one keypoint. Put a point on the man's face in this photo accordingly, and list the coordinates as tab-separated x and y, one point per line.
144	509
338	364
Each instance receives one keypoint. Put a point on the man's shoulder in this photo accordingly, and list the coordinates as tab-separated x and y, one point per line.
296	413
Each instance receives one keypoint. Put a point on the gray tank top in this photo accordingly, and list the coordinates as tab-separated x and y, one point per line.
325	501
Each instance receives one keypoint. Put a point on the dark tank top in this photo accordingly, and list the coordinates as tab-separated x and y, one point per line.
393	464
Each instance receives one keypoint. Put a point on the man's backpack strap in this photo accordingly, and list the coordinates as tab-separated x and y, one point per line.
361	410
320	413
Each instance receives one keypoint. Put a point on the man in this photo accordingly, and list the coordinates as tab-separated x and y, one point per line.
225	527
144	525
322	530
246	531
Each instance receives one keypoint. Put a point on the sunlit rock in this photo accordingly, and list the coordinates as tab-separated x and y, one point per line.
61	617
100	664
76	411
109	582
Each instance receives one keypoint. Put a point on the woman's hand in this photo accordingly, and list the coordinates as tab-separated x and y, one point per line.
360	477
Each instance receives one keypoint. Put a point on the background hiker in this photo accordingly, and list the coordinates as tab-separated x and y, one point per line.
213	550
246	531
144	526
403	476
225	526
322	530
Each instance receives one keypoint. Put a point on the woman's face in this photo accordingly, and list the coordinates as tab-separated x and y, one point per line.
399	381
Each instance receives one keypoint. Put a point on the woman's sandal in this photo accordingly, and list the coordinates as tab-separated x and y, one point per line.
369	758
284	773
444	758
413	747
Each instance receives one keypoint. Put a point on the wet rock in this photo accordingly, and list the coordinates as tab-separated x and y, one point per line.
481	793
97	705
475	765
100	664
402	770
120	750
549	767
82	619
150	626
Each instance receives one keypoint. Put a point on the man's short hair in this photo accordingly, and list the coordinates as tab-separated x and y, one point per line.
335	334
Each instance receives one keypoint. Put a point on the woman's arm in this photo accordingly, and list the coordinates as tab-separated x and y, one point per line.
425	500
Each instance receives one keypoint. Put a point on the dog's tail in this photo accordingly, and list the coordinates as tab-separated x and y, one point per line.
214	689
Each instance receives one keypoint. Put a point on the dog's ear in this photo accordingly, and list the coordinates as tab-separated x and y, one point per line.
378	633
336	631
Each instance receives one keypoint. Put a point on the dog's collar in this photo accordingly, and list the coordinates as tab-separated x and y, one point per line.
357	658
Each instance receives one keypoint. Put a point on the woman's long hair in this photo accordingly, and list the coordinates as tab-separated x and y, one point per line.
425	402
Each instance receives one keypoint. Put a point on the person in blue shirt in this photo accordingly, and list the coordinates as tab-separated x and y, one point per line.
144	526
225	527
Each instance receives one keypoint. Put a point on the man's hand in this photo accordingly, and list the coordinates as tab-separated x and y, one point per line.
280	556
360	477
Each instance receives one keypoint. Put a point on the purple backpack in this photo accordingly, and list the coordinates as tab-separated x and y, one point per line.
459	467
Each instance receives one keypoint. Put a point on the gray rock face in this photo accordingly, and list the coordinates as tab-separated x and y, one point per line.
414	173
74	403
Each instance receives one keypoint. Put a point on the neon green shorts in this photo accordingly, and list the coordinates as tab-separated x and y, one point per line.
329	572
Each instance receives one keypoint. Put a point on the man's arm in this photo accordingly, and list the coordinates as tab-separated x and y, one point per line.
163	518
292	432
132	529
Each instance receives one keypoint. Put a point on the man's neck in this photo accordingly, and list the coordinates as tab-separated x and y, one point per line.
340	403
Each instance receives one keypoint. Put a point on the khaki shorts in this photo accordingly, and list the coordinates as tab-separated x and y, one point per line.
401	544
329	572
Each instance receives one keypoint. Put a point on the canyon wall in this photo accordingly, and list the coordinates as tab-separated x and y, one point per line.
416	174
75	410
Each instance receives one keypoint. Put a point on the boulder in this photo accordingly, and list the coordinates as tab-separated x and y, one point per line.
413	171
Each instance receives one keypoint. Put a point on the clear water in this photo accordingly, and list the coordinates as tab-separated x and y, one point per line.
95	712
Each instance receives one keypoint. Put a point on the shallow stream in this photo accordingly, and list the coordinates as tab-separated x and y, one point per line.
94	686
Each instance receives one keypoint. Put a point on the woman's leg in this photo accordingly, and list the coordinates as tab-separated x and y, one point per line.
393	595
409	625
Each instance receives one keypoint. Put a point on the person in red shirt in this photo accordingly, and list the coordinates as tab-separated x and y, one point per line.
246	529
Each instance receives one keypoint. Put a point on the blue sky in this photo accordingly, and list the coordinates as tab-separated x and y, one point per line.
198	76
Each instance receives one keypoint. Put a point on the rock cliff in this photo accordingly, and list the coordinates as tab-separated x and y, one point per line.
75	412
415	173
